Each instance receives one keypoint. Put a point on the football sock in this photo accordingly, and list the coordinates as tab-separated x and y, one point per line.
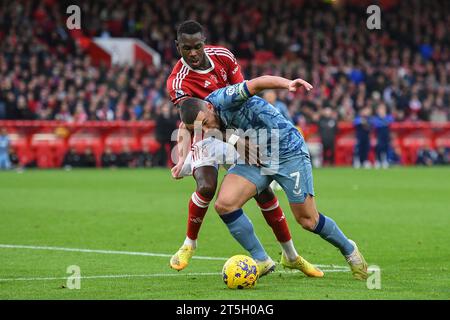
189	242
241	229
329	231
289	250
198	205
275	219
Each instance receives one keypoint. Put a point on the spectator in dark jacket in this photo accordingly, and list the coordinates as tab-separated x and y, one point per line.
362	126
327	131
381	122
166	123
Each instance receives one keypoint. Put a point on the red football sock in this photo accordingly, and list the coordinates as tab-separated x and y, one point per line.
276	219
198	205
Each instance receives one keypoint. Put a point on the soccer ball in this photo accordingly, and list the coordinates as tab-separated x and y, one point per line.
240	272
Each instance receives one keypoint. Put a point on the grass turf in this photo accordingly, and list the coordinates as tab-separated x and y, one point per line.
399	217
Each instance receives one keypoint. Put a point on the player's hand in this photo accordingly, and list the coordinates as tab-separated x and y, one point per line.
176	170
298	83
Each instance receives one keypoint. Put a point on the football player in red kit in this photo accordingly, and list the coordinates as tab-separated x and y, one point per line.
201	70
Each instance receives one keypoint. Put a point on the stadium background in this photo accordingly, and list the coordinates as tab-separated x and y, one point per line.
49	73
59	91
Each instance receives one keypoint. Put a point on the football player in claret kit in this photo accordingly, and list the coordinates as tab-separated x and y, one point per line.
201	70
237	107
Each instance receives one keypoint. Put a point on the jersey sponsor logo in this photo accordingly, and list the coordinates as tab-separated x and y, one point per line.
223	74
230	91
214	78
207	83
179	93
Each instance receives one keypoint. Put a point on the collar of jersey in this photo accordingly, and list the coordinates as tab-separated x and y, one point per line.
200	71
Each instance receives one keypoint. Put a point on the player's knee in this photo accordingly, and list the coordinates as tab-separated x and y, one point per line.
223	206
206	190
307	223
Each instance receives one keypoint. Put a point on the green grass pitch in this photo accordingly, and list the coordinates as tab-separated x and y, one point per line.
399	217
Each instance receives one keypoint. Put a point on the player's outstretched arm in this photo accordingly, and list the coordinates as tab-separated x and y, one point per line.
183	147
273	82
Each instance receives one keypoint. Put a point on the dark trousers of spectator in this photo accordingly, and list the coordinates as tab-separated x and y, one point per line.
163	153
381	151
363	150
328	153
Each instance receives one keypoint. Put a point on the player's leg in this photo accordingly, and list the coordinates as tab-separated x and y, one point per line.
297	181
206	179
272	212
310	219
234	192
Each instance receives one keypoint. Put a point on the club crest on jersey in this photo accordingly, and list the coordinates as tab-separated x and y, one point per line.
223	74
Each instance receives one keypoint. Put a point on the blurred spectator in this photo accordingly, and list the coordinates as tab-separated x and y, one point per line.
144	159
426	157
5	162
166	123
327	130
13	158
442	156
381	122
109	159
126	158
362	126
393	155
88	159
72	159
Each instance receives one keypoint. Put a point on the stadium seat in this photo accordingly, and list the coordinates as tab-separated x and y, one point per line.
49	149
83	141
118	141
411	145
443	141
150	142
344	150
20	144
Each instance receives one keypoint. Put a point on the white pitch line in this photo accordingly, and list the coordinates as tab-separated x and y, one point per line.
149	254
155	275
12	246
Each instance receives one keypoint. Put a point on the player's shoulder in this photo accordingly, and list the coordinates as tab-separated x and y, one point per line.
219	52
178	69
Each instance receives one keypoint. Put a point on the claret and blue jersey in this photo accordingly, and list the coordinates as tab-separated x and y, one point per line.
237	109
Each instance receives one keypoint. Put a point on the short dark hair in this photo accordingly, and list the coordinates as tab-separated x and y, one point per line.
189	109
189	27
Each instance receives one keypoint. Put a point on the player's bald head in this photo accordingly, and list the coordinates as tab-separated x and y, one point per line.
190	108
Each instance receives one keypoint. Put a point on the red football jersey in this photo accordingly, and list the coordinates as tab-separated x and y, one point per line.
185	81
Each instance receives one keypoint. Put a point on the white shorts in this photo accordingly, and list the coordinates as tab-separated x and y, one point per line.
209	152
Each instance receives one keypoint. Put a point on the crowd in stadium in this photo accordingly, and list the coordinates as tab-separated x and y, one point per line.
404	67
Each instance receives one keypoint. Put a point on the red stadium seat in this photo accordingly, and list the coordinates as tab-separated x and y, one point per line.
344	149
150	142
443	141
263	56
21	146
49	149
83	141
117	142
412	144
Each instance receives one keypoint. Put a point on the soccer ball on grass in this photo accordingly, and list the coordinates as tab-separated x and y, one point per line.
240	272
